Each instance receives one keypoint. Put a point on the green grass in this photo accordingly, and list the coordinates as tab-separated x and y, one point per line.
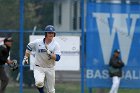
66	88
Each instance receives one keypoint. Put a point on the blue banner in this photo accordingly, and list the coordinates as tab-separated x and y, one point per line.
109	27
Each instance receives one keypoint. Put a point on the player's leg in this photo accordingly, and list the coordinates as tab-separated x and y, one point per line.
4	80
50	80
115	85
39	76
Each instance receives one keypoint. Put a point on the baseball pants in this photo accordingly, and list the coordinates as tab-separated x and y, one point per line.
45	76
115	85
4	79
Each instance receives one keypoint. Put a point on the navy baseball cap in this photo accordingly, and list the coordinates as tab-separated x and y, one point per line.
116	51
8	39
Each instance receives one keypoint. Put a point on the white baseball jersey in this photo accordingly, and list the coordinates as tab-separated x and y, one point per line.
41	57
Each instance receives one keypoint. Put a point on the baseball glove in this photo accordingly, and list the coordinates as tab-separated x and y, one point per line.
14	65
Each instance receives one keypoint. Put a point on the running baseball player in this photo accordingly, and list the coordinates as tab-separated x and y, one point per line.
47	51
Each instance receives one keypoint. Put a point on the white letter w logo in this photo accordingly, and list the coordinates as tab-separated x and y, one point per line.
120	26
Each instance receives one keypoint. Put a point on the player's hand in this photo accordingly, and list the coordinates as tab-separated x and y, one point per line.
49	52
25	60
120	62
13	65
9	62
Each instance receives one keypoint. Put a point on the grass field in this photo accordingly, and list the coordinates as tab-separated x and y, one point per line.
66	88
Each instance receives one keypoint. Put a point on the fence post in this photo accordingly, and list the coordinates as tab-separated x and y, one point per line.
21	42
83	46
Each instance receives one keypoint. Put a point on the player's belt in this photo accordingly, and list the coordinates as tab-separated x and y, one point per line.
37	65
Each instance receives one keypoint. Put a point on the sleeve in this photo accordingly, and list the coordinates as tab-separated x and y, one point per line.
121	63
31	46
2	58
116	63
57	50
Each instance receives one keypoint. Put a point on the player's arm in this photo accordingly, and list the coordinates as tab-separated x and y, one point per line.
57	53
9	62
2	49
55	57
115	63
26	56
121	63
29	48
2	53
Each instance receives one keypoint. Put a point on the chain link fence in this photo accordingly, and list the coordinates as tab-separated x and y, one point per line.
65	16
37	13
28	79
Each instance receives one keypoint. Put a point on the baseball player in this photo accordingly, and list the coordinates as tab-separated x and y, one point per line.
4	54
47	51
115	70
